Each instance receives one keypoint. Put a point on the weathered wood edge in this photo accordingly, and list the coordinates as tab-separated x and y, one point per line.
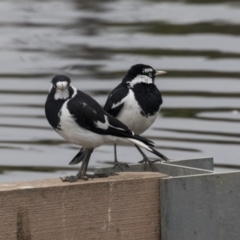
56	182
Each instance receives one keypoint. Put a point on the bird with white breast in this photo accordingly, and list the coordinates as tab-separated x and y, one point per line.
136	102
79	119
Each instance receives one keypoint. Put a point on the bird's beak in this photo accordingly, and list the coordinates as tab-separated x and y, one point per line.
159	73
62	85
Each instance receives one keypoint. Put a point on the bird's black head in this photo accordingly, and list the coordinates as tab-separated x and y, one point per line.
141	69
141	73
61	82
61	87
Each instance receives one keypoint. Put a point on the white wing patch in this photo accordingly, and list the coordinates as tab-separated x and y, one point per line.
140	79
102	125
106	125
119	103
120	129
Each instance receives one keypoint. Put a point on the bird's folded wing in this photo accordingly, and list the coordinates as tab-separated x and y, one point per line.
91	116
116	101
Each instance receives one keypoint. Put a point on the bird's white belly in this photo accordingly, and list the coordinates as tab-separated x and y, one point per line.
73	133
130	115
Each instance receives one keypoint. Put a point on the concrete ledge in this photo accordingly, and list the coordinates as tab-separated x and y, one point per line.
166	168
205	163
200	207
119	207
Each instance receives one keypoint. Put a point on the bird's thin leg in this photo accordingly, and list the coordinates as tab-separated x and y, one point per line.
84	171
116	162
84	174
81	170
146	160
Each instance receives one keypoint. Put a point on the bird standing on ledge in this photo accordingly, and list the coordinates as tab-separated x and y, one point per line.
136	102
79	119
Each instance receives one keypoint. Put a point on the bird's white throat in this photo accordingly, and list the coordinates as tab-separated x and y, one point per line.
61	94
140	79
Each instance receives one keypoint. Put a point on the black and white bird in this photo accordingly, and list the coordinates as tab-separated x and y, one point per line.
136	102
79	119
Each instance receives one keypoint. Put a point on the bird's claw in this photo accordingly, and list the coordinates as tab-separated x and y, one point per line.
120	165
149	162
70	179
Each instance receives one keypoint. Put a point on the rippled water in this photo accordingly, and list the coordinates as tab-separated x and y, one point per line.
95	42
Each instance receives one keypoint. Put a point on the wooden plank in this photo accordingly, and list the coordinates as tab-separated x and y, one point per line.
125	206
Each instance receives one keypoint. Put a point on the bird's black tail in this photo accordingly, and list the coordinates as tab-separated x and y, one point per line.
147	144
144	140
154	151
136	139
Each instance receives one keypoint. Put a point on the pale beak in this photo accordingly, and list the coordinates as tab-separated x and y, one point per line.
62	85
159	73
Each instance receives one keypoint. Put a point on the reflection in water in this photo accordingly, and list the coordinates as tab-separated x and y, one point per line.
94	43
194	140
237	135
192	112
159	27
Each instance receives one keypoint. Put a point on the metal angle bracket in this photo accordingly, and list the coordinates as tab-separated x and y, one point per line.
195	202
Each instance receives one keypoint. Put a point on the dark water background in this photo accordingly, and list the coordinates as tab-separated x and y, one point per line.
95	42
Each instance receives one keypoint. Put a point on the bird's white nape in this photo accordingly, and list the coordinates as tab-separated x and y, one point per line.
140	79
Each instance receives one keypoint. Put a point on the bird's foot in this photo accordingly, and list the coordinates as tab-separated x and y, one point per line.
120	165
149	162
69	179
72	179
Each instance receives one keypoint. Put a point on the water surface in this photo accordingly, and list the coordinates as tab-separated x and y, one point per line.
94	43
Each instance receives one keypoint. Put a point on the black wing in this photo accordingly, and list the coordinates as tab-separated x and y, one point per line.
90	115
115	100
